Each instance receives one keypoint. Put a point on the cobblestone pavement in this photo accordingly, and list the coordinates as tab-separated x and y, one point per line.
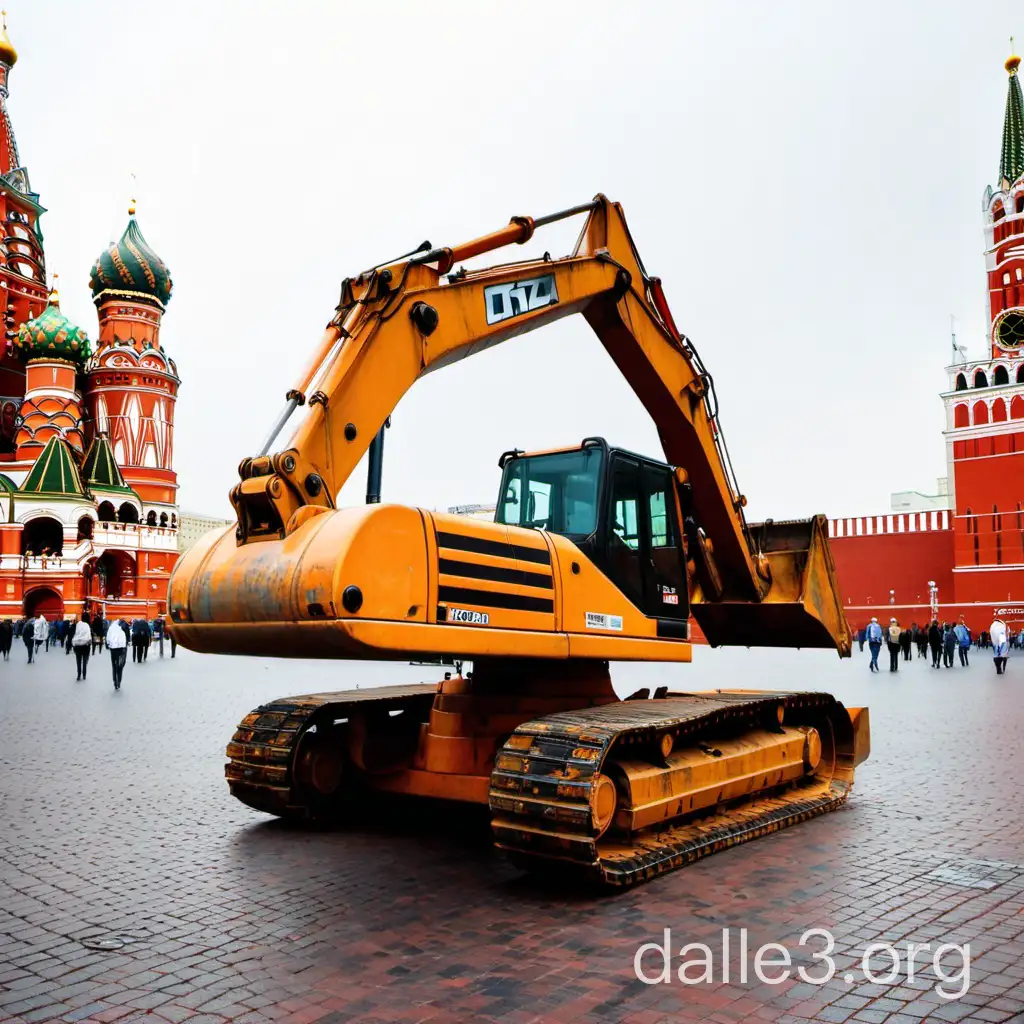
117	829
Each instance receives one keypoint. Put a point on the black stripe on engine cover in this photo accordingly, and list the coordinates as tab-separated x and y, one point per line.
496	573
480	546
489	599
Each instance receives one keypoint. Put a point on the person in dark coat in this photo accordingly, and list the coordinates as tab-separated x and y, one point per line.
6	638
948	645
935	642
140	640
28	635
906	641
99	631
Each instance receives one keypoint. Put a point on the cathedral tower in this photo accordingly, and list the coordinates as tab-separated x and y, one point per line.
54	350
132	384
22	265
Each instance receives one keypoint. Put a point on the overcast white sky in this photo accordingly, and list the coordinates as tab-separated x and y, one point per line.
805	177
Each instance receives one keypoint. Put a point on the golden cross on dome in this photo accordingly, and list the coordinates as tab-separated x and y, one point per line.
4	15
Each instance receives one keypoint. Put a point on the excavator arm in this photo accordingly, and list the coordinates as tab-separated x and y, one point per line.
773	584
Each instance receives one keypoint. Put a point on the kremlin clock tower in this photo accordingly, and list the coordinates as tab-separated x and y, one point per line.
985	403
961	551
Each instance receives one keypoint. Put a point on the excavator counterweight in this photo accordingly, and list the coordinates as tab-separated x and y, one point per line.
596	554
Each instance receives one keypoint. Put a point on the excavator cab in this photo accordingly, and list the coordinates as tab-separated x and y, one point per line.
620	510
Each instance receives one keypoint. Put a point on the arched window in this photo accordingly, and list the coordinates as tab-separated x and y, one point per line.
42	536
980	413
1020	374
105	512
128	513
998	411
1000	376
1006	278
961	382
174	521
998	212
1020	203
980	379
85	528
1017	408
151	518
961	416
163	519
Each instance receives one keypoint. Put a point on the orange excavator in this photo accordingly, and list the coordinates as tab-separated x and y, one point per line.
595	554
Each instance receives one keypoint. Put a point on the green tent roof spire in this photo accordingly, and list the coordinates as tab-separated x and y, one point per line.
100	469
1011	164
54	471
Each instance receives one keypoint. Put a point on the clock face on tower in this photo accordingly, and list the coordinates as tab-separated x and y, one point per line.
1009	331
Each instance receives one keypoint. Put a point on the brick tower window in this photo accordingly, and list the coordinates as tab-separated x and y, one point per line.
1000	376
961	382
980	379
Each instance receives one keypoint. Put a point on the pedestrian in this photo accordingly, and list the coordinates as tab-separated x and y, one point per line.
69	632
81	641
51	634
6	638
874	633
862	635
158	633
41	630
963	639
28	635
170	633
935	642
949	642
893	640
138	632
1000	645
922	642
117	644
99	629
906	640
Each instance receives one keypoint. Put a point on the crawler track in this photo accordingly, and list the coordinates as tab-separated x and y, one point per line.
542	785
260	771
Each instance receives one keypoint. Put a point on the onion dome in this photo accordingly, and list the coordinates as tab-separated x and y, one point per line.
8	54
131	269
52	335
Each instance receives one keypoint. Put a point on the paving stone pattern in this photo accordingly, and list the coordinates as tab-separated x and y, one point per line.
132	888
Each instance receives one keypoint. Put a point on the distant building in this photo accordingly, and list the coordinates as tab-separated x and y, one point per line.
192	526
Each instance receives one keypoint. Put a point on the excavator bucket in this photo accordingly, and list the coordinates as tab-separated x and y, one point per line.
802	607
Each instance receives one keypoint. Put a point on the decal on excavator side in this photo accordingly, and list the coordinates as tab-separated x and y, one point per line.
465	615
504	301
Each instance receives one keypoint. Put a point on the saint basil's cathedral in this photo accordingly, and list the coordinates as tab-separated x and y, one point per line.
88	513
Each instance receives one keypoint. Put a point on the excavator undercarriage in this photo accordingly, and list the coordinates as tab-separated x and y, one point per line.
577	781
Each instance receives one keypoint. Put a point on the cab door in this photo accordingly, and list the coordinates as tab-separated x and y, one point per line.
643	552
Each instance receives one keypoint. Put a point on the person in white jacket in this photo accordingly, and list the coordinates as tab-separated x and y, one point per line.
40	630
81	642
1000	645
117	644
